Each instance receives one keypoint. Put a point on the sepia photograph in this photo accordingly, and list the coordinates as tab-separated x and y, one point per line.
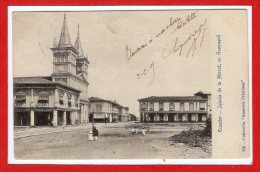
138	84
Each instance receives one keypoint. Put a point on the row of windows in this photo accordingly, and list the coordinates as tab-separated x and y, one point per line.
20	99
202	106
64	59
43	103
110	107
61	102
61	59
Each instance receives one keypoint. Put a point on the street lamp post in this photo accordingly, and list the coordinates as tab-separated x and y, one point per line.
93	118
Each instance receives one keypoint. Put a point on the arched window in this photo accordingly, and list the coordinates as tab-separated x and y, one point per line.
182	106
151	106
161	106
43	98
20	98
191	106
171	106
69	99
143	106
61	98
98	107
202	106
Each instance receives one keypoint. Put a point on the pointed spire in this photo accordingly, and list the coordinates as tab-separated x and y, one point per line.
64	36
54	42
78	46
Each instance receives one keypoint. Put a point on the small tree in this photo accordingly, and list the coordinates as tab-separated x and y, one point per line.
208	128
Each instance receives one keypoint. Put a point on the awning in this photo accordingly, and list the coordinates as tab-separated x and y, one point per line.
99	116
20	95
43	95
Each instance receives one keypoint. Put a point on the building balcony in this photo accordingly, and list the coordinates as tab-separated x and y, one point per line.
42	104
173	111
20	104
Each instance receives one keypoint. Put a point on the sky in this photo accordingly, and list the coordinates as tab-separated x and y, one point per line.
104	37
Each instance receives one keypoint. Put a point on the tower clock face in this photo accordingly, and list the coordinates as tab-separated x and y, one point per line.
61	68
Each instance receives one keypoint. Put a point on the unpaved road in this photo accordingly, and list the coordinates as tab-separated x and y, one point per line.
115	142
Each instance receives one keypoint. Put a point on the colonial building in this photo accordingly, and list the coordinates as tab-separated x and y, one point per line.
40	101
123	114
195	108
132	117
107	110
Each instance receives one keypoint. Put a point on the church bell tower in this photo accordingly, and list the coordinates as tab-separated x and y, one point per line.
64	57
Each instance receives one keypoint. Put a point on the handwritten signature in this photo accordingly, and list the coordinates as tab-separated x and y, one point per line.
190	44
193	38
177	22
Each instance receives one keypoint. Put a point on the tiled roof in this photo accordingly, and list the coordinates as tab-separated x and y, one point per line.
171	98
33	80
39	80
97	99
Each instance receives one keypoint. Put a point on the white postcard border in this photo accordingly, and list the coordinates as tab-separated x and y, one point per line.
12	160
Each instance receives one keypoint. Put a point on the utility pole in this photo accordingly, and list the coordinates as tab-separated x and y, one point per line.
93	118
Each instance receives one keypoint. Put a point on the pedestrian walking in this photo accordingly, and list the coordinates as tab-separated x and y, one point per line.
63	124
143	131
106	119
95	133
133	131
90	135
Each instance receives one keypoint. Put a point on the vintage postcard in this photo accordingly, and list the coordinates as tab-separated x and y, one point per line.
130	85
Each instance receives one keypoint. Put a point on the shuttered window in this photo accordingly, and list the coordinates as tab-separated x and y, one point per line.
43	95
171	107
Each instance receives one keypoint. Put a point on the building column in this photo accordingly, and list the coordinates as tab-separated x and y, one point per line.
76	117
156	117
32	103
56	98
21	121
187	118
177	117
81	113
197	117
32	118
166	117
72	118
64	118
84	119
55	118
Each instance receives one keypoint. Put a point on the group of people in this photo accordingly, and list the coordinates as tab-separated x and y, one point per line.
93	134
135	131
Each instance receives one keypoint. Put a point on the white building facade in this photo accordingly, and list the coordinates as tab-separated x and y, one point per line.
195	108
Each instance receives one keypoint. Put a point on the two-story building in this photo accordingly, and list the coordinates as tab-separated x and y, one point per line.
63	96
195	108
107	110
123	114
40	102
132	117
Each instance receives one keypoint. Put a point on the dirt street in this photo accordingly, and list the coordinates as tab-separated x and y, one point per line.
115	142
